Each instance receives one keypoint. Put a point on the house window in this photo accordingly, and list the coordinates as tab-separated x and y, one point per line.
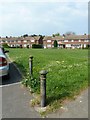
65	40
25	45
32	40
72	40
25	41
44	46
68	45
86	40
48	40
49	45
84	45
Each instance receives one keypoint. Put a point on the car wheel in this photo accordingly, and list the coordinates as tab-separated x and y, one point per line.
8	76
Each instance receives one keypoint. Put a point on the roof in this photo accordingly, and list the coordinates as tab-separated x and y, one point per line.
76	37
71	37
48	38
58	38
68	37
37	37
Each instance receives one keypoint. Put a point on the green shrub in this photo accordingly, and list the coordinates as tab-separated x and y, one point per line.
55	44
37	46
87	46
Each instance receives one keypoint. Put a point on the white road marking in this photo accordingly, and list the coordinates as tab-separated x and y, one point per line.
9	84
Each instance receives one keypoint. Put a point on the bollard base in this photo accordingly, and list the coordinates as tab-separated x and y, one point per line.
40	109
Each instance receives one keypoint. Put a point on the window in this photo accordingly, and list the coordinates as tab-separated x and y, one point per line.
72	40
32	40
48	40
25	41
49	45
25	45
65	40
44	46
68	45
86	40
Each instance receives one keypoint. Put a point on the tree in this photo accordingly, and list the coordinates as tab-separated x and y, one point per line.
55	44
57	34
34	35
5	45
26	35
6	36
70	33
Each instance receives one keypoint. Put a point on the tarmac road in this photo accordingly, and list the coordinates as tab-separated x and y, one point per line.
15	99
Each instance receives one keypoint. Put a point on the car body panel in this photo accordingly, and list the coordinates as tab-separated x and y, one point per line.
4	70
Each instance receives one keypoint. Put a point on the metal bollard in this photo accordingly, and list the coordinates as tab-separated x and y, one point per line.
31	66
43	87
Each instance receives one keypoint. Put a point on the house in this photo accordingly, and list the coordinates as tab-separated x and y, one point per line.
72	41
48	42
76	41
21	41
64	41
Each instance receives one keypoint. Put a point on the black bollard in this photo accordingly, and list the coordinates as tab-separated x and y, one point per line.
43	87
31	66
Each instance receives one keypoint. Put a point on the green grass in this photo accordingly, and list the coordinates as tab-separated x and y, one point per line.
67	70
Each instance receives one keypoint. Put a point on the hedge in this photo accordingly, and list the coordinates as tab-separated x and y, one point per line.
37	46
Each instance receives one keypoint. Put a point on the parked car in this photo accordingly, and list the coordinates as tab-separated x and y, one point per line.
4	64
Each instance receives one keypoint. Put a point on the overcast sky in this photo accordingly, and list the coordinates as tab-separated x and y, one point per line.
18	17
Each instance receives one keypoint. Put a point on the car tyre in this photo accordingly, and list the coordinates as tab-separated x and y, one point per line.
8	76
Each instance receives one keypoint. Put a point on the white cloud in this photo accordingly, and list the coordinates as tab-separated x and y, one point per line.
42	17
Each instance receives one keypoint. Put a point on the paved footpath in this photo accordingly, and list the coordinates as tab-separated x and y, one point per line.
77	108
15	103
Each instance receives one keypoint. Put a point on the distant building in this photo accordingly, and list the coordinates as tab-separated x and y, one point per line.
65	41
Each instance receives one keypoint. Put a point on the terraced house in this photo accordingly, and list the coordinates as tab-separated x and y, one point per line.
70	41
64	41
21	41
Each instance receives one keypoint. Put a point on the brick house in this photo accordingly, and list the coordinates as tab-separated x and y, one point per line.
48	42
21	41
70	41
